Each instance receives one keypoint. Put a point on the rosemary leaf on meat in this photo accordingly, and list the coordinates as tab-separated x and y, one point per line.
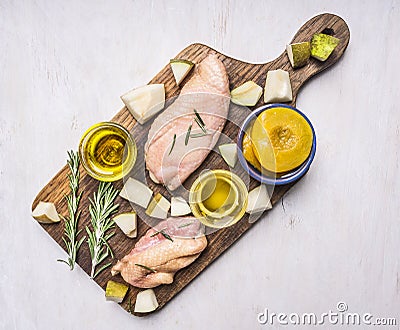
166	235
203	128
186	224
147	268
188	134
71	231
101	208
162	232
199	118
173	144
200	121
197	135
156	233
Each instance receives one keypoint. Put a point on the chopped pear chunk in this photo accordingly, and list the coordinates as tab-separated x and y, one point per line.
179	207
158	207
146	301
45	212
153	178
127	222
136	192
180	69
278	87
247	94
322	46
116	291
229	153
298	54
145	102
258	200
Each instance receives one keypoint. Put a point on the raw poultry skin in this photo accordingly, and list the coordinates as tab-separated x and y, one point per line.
162	255
207	92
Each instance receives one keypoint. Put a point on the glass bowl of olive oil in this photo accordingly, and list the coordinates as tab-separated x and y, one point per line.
218	198
107	151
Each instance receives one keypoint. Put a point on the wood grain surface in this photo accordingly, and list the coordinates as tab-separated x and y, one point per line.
239	72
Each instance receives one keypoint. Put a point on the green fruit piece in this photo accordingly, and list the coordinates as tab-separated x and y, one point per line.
127	222
322	46
116	291
158	207
146	301
180	69
298	54
247	94
229	153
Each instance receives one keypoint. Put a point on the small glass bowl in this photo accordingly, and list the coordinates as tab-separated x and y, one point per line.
266	177
233	207
107	151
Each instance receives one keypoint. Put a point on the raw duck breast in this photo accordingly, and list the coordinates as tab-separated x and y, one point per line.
171	245
170	160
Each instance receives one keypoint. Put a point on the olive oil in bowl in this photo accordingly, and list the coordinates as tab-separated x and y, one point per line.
218	198
107	151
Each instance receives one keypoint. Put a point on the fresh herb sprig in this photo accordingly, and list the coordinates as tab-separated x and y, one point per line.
162	232
173	144
199	118
197	135
147	268
101	208
71	232
188	135
200	123
186	224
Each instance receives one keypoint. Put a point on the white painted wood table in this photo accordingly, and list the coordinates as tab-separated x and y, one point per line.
63	66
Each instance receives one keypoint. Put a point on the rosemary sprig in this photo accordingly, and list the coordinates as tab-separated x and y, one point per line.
173	144
186	224
101	208
162	232
188	134
166	236
147	268
203	128
199	118
197	135
71	221
200	121
156	233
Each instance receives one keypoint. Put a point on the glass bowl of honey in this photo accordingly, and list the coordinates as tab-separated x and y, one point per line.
107	151
218	198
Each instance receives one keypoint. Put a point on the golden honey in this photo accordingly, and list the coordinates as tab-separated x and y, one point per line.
107	151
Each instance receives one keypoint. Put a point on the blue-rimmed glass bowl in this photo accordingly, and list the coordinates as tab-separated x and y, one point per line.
274	178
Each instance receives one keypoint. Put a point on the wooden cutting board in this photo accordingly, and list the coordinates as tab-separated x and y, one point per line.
239	72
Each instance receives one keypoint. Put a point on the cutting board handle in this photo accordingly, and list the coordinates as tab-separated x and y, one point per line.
239	71
326	23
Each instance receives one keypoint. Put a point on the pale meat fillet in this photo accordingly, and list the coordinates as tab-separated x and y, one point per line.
207	92
162	255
